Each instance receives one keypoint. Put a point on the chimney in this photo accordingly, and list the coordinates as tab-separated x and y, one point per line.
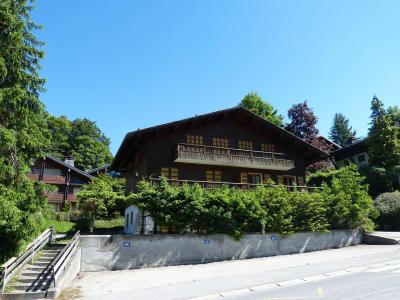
70	161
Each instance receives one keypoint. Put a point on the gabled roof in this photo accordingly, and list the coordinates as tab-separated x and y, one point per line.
102	168
134	138
358	147
330	142
64	164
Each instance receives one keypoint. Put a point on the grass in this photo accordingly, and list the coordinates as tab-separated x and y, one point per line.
109	224
60	226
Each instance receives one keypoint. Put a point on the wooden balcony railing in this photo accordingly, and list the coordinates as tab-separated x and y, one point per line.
54	179
55	196
72	197
209	155
238	185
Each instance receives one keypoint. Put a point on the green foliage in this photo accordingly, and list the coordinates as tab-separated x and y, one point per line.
377	179
384	141
102	198
388	205
60	226
344	204
348	202
80	139
254	103
22	128
341	132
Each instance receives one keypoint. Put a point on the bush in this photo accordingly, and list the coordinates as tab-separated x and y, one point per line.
388	205
345	204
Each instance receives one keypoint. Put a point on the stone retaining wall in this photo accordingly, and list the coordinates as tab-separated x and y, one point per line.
122	252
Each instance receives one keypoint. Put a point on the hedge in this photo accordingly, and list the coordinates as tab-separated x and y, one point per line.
344	204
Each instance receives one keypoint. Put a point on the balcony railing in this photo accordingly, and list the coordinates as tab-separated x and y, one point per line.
55	196
238	185
72	197
48	178
209	155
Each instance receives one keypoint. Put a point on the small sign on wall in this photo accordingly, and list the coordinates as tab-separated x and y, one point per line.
207	242
127	244
273	238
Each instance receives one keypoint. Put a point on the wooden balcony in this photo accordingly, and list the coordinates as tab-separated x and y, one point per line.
209	155
72	197
56	179
55	196
238	185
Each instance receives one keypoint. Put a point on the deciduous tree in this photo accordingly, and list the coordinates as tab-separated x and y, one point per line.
254	103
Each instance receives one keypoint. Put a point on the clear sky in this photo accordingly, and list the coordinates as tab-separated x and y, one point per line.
130	64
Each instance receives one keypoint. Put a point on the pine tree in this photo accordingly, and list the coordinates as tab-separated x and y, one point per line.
22	127
341	133
254	103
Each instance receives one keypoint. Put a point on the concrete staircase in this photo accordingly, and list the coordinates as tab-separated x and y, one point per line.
35	278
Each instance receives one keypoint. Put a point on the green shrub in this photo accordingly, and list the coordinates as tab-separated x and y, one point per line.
344	204
388	205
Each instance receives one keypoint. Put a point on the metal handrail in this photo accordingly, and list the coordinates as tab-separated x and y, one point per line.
59	262
15	264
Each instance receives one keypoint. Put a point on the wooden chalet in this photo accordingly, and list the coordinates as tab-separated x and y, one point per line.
233	147
66	178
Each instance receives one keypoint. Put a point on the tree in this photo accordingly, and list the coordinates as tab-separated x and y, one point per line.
22	127
80	139
384	139
303	122
254	103
103	197
341	133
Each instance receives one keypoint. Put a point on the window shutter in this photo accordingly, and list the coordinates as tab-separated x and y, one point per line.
300	180
243	177
280	179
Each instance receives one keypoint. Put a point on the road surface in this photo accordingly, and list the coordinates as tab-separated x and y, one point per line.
358	272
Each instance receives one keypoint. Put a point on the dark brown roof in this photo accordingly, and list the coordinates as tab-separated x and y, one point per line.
134	138
351	150
73	169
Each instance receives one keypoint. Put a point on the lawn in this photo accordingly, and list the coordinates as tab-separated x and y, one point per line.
60	226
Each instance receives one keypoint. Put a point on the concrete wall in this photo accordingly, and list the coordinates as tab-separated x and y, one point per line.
121	252
71	270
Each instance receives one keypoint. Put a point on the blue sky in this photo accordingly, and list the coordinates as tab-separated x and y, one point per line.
132	64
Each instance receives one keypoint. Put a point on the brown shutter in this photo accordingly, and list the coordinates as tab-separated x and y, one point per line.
280	179
243	177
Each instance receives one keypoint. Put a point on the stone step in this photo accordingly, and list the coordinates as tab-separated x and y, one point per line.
25	295
30	287
29	279
34	268
41	262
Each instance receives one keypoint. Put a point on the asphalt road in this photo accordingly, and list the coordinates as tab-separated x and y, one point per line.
360	272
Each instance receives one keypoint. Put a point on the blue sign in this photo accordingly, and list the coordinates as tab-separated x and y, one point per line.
273	237
207	242
127	244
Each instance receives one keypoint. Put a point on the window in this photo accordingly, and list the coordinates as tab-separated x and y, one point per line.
254	178
127	220
214	176
268	147
170	173
194	139
247	145
220	142
361	158
131	217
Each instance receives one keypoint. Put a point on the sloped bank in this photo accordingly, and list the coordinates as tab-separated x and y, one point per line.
123	252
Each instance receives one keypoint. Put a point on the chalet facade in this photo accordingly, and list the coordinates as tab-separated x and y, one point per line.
66	179
355	153
233	147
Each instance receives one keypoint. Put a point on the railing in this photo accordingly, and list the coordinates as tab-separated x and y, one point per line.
15	264
55	196
72	197
238	185
232	157
33	176
54	179
59	262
